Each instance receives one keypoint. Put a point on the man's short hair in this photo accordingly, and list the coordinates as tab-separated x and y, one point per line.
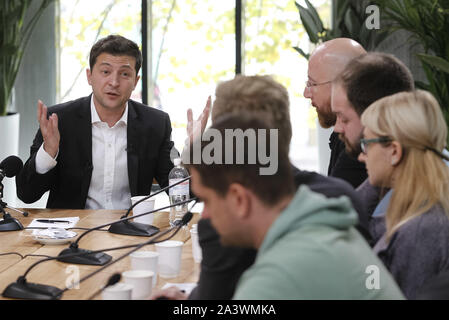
372	76
270	189
117	46
255	93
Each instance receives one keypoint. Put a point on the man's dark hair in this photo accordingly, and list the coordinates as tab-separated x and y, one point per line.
372	76
270	189
117	46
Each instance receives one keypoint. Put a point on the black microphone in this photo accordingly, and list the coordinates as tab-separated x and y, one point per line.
98	258
9	167
111	281
135	228
21	289
177	226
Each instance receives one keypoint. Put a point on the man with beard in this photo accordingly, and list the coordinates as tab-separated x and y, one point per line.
364	80
325	63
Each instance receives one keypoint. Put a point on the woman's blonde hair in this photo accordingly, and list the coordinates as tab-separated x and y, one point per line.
414	119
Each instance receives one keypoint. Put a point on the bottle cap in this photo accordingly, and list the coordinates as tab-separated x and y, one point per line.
177	161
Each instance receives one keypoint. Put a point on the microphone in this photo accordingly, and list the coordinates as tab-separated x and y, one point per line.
9	167
21	289
135	228
111	281
98	258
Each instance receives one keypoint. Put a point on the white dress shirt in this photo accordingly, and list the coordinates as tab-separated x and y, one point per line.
109	185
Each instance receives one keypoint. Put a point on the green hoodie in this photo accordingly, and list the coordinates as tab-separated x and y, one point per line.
313	251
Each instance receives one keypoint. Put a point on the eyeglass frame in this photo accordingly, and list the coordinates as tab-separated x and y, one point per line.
365	142
310	85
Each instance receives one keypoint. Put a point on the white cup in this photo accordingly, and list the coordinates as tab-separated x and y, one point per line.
142	282
145	260
119	291
143	207
196	249
169	258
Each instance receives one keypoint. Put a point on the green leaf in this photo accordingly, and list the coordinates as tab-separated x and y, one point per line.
315	15
8	50
352	23
308	23
434	61
301	52
422	85
342	7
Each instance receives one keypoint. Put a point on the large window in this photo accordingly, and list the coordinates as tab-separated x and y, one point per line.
272	28
191	46
82	23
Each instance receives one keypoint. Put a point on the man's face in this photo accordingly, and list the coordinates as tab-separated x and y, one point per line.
319	93
348	123
113	79
218	209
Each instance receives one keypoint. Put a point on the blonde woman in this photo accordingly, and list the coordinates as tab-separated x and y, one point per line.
404	137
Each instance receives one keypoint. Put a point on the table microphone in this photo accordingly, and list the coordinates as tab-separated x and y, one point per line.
132	228
9	167
98	258
21	289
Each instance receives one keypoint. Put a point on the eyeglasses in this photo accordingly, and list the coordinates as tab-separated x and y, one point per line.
365	142
310	84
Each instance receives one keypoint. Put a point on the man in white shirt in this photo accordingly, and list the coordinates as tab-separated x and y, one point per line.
98	151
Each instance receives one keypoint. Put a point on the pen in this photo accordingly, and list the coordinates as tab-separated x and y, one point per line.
52	221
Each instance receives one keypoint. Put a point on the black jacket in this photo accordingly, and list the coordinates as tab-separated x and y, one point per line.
149	146
342	165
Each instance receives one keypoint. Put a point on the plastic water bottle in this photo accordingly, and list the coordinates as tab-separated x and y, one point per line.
179	192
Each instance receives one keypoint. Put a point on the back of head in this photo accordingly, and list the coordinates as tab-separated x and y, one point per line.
255	94
243	162
333	55
372	76
415	120
117	46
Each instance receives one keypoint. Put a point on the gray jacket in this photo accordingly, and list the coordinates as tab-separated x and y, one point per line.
418	251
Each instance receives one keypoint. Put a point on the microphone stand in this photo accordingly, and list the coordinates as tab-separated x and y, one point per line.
127	227
8	223
71	254
21	289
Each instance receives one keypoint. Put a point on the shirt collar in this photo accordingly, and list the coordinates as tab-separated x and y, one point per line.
96	118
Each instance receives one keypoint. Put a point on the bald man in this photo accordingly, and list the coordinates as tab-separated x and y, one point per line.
326	62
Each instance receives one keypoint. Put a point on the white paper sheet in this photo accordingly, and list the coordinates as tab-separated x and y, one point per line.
72	221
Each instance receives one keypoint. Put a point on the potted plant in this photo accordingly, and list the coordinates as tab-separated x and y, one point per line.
16	29
349	18
428	24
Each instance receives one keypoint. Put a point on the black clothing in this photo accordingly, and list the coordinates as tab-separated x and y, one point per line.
342	165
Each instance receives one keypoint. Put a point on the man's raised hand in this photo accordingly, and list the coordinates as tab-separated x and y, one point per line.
49	129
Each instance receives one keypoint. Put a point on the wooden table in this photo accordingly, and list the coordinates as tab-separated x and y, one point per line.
57	273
